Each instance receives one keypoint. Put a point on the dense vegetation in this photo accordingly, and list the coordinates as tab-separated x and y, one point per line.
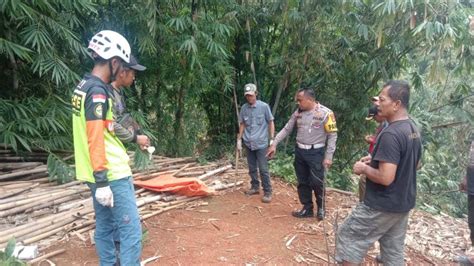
200	53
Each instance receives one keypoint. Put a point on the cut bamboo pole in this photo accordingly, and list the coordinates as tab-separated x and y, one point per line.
203	167
32	194
22	173
39	202
19	233
46	256
55	202
29	227
195	173
181	169
7	195
143	201
52	230
35	199
45	231
226	186
79	203
214	172
15	184
11	166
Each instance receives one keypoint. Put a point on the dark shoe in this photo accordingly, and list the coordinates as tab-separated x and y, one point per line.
320	214
303	213
267	197
252	191
378	259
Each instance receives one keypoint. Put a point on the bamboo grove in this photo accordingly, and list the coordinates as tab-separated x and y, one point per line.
200	53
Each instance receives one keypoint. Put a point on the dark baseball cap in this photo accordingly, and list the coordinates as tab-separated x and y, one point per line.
134	64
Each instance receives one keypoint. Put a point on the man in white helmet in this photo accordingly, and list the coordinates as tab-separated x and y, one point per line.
101	158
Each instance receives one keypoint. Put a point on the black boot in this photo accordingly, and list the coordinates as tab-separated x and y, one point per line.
320	214
303	213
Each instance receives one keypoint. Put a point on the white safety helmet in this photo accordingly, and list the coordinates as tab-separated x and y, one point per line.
108	44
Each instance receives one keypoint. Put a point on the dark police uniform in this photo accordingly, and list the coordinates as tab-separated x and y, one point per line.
315	141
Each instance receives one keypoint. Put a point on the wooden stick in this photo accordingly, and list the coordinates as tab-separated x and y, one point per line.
236	174
340	191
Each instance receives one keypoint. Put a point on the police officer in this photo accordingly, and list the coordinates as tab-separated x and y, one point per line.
315	145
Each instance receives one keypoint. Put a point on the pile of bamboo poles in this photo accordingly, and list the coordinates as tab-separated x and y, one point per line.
36	211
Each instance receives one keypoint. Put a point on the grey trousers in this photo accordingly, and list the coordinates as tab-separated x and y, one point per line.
258	163
363	227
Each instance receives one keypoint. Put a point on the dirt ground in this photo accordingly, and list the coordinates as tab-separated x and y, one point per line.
233	228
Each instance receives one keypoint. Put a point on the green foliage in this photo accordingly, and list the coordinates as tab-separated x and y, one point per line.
59	170
199	54
6	256
142	159
34	122
282	166
40	38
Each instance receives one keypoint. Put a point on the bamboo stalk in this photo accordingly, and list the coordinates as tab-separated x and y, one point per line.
46	256
203	167
31	194
22	173
45	231
195	173
29	227
226	186
54	202
18	233
143	201
4	166
214	172
181	169
7	195
79	203
86	229
38	202
18	203
15	184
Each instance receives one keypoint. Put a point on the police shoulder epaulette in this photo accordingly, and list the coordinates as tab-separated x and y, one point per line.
324	108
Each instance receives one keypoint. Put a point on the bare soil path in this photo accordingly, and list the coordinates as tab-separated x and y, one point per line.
235	229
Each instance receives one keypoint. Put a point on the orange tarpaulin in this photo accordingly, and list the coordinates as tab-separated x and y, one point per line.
183	186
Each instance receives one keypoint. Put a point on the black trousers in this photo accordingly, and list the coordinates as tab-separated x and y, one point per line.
310	173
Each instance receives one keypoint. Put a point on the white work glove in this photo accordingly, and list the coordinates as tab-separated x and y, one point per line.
150	150
104	196
239	144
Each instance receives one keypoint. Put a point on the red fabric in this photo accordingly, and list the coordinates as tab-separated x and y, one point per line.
373	138
183	186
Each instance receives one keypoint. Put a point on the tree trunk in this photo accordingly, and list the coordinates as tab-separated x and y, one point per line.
283	86
178	127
